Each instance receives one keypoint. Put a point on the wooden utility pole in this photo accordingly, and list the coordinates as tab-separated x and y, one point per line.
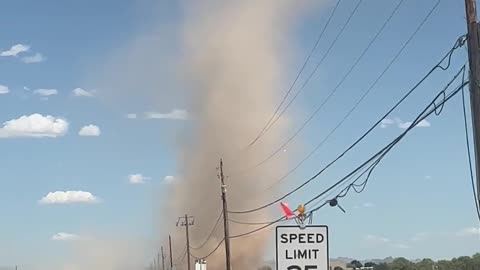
225	217
163	260
474	79
186	221
171	256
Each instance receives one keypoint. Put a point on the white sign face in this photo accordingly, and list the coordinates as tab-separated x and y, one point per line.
302	249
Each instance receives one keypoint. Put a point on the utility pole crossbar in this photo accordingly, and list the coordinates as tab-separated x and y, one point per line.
187	221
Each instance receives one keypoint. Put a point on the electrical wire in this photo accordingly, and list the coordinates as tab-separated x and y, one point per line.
460	41
298	74
386	149
258	229
249	223
380	154
467	141
211	252
268	222
181	258
431	108
335	89
352	67
211	232
310	76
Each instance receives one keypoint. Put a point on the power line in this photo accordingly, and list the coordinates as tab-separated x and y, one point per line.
258	229
467	141
210	234
310	76
380	154
421	117
211	252
298	74
431	108
334	90
249	223
460	41
181	258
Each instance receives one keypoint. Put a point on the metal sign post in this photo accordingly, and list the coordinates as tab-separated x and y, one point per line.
302	247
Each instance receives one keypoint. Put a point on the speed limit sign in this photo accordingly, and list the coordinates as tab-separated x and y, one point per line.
302	248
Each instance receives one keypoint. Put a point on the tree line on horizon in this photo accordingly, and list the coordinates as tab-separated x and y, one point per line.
460	263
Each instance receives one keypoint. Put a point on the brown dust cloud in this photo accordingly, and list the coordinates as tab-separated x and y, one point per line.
232	60
236	53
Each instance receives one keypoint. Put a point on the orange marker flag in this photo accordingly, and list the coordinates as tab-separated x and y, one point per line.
286	210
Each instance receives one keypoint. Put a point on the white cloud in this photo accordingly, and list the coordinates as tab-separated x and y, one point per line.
368	205
90	131
400	246
63	236
4	90
384	241
387	122
79	92
364	205
132	116
403	125
376	238
420	236
15	50
35	125
168	179
137	178
68	197
45	92
469	231
36	58
176	114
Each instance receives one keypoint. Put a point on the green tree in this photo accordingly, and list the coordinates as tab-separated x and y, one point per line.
401	264
425	264
382	266
370	264
355	264
338	268
476	261
443	265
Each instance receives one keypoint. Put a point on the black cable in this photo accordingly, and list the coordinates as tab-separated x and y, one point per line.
310	76
352	67
211	232
335	89
378	156
343	80
249	223
298	75
181	258
467	140
211	252
258	229
460	41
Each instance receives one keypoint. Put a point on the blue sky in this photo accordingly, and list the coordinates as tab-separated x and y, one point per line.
418	200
